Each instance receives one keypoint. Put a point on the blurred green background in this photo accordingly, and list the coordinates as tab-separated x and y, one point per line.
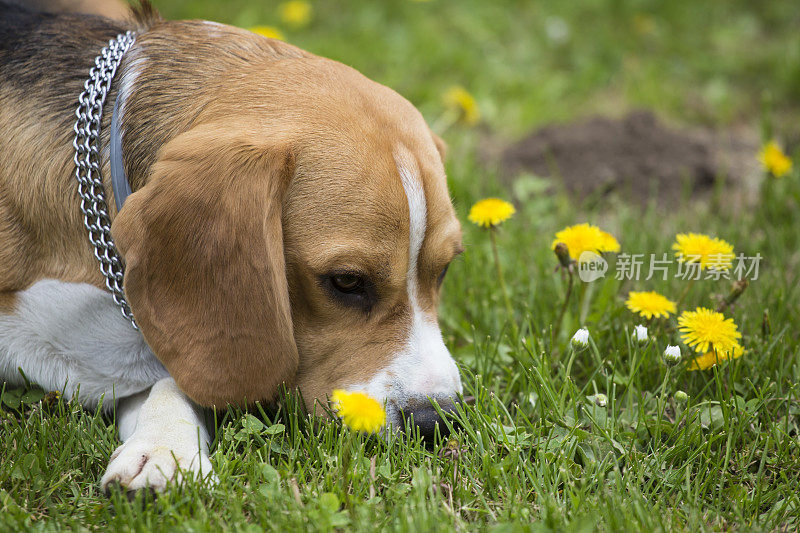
534	62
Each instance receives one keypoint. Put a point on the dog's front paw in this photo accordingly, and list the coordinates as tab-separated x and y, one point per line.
144	462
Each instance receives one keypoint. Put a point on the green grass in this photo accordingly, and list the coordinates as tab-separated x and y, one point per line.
536	451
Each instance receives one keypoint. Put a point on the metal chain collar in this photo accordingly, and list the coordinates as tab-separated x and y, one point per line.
88	163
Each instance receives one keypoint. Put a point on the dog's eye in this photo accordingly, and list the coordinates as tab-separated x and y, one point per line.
441	276
350	289
347	283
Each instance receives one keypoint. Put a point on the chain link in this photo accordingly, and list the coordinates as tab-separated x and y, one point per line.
88	162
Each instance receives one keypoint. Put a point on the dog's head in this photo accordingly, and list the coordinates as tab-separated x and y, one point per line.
298	233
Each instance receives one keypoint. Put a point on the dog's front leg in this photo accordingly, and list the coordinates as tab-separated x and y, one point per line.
164	438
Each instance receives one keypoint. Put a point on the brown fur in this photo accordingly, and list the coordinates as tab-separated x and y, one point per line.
259	168
8	301
114	9
144	15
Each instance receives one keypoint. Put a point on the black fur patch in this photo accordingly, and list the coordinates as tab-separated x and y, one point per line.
51	6
47	57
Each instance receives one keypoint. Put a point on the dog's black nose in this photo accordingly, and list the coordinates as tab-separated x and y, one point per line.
426	418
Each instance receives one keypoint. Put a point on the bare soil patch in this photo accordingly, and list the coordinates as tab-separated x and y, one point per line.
636	156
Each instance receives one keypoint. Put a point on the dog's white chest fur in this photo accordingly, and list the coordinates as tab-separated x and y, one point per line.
70	336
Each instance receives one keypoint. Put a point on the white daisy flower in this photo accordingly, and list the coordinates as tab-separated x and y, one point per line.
640	333
581	338
673	354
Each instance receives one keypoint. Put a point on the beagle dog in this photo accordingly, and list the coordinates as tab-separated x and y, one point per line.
289	224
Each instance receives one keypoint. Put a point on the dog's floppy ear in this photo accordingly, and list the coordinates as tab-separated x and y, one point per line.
205	273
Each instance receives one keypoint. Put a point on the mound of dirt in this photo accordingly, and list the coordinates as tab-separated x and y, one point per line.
637	156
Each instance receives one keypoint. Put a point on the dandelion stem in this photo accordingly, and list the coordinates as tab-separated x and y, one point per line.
560	319
587	291
685	292
348	439
502	281
661	405
445	121
567	371
737	289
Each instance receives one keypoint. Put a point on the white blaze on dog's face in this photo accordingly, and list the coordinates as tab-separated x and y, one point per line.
369	231
423	368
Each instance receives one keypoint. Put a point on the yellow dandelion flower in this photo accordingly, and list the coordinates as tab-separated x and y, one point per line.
457	99
608	243
709	359
650	304
295	13
585	238
706	330
490	212
358	411
269	32
710	252
774	160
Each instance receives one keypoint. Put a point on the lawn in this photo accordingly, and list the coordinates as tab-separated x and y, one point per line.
605	437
